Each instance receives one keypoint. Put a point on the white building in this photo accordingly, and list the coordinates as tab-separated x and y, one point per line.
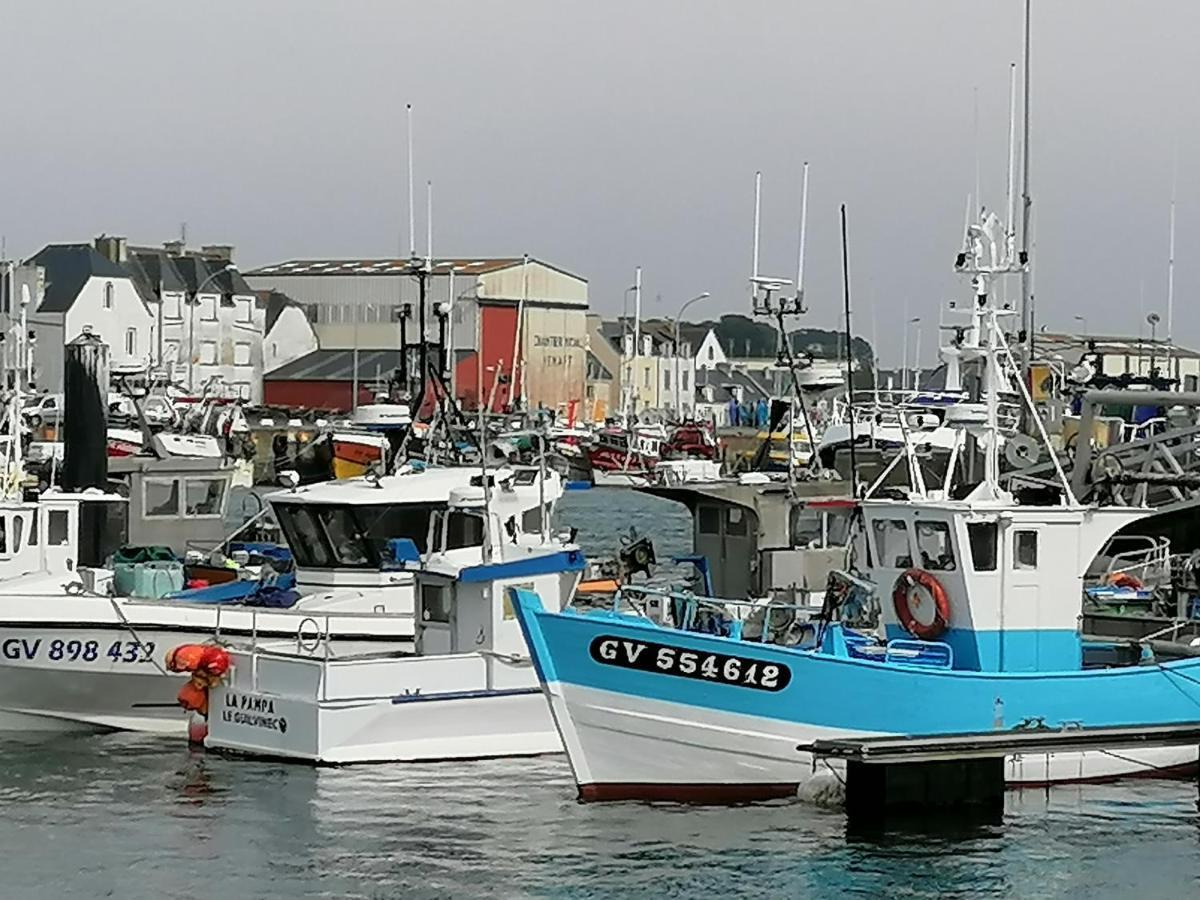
210	325
82	291
290	336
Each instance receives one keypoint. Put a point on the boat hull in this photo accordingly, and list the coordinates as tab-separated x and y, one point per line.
462	706
635	728
58	677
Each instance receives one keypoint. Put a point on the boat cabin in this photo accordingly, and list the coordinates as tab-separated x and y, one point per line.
478	555
176	501
340	532
761	538
1011	577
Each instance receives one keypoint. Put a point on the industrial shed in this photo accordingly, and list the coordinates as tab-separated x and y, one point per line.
365	302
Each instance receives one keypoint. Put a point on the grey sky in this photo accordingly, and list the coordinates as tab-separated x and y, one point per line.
604	135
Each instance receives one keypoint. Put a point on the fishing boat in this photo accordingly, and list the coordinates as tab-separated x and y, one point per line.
981	634
78	652
469	691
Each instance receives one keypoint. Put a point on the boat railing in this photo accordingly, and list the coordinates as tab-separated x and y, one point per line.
710	615
1149	566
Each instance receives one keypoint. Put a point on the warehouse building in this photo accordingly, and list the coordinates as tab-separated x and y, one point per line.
373	304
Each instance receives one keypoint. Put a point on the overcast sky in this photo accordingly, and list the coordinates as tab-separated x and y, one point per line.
606	135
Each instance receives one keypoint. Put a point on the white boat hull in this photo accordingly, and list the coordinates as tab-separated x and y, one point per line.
626	747
619	479
462	706
57	677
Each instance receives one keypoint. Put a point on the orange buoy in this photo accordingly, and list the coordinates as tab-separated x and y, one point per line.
1125	580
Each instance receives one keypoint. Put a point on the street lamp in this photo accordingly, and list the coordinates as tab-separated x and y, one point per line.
675	345
1082	320
228	267
1153	320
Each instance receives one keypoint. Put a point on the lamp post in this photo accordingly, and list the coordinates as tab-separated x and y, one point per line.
916	379
230	267
1153	320
675	346
1082	320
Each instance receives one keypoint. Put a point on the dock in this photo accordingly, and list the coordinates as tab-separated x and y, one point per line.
933	774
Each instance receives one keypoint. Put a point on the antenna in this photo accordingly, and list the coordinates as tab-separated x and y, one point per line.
803	232
1010	227
412	227
757	207
849	356
1171	259
429	226
975	131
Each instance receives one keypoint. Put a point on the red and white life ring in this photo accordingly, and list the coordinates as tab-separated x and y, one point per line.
902	597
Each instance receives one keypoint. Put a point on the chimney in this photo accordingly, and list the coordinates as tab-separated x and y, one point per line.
173	248
222	252
112	248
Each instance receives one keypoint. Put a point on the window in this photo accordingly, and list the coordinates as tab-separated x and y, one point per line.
58	524
171	350
245	309
109	290
208	308
1025	550
891	543
131	342
160	498
33	529
982	537
304	536
241	354
435	603
683	380
344	537
18	533
464	530
205	496
710	354
208	353
735	521
934	546
3	534
710	520
666	379
646	379
171	307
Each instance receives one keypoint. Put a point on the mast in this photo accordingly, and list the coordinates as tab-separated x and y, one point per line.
1027	302
849	356
1171	264
412	222
514	370
803	233
757	207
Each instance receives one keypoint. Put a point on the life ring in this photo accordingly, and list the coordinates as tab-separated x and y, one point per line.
902	601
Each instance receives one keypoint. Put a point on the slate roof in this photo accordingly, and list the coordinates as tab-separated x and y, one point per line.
68	268
337	365
275	302
467	265
726	376
197	270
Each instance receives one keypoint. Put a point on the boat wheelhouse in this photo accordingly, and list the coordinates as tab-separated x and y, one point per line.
468	693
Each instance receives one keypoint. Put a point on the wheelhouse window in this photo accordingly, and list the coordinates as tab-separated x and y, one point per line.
160	498
710	520
982	538
205	496
328	536
735	521
344	538
463	529
891	543
1025	549
934	546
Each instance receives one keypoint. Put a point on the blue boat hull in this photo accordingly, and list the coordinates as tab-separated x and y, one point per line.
646	711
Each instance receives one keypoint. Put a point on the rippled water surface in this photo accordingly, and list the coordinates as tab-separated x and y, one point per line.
134	817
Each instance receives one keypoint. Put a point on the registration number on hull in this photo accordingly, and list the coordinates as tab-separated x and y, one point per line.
75	650
722	668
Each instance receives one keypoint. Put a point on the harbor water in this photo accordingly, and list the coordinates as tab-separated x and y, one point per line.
135	817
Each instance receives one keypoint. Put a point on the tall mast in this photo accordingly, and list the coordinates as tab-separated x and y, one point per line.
1171	263
803	232
412	221
757	206
1027	317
